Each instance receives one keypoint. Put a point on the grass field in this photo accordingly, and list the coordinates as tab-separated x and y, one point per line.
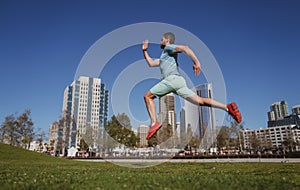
21	169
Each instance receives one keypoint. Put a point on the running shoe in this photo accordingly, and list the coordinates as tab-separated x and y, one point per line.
153	129
234	112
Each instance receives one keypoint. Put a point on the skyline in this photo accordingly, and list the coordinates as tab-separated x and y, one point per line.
255	43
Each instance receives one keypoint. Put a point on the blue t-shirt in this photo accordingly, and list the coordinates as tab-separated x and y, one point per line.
168	61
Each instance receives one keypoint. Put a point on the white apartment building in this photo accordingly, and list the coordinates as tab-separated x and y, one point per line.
272	136
84	110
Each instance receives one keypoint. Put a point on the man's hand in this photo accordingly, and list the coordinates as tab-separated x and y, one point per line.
150	61
145	45
196	68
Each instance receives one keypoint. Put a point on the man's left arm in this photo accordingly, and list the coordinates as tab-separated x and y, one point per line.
191	54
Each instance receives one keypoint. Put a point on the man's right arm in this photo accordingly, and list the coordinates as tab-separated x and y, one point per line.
190	53
150	61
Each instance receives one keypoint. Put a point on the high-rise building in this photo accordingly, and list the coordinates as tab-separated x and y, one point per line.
207	119
167	115
296	110
84	110
177	131
278	110
200	118
189	119
279	116
142	133
271	116
103	111
167	112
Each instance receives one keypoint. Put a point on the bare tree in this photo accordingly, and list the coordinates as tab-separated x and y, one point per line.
9	130
40	137
236	134
18	130
25	129
255	144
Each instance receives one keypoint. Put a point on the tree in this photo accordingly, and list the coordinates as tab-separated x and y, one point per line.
185	136
254	142
236	134
40	136
51	145
9	130
266	143
129	138
25	129
165	133
119	128
153	141
124	120
83	145
18	130
90	136
223	137
289	143
107	142
163	137
194	141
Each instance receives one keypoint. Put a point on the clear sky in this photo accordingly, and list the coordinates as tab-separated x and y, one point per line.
256	44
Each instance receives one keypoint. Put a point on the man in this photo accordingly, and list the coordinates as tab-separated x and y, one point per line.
172	81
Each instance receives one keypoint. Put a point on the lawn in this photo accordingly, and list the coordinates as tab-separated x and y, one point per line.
21	169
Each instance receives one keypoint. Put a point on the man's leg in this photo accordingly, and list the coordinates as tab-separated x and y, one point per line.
160	89
183	91
197	100
150	104
231	108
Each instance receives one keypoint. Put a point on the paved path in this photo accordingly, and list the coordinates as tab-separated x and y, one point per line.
233	160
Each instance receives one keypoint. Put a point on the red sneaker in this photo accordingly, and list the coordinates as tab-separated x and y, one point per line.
153	129
234	112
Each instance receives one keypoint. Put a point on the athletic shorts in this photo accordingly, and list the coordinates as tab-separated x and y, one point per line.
172	83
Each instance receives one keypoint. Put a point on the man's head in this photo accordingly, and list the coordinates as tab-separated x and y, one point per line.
168	38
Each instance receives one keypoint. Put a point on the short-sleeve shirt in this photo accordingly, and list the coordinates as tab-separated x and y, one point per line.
168	61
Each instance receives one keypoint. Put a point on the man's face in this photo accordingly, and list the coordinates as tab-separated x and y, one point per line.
163	42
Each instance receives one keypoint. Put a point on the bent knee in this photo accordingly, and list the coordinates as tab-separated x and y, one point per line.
148	95
145	96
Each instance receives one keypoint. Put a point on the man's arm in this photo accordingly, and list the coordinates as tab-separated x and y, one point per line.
150	61
190	53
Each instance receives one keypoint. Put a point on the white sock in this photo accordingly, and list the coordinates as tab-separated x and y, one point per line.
153	124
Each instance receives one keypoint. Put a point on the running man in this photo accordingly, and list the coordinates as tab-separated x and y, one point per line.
172	81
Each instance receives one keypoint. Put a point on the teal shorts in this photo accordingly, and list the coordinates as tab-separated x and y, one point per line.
172	83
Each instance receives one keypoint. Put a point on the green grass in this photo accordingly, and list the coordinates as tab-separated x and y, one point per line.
21	169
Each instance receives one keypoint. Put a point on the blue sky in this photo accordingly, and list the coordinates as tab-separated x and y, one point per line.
256	44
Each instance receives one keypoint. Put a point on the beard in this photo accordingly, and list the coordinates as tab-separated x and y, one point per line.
162	46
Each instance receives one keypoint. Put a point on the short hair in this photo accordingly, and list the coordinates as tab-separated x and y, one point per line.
170	36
